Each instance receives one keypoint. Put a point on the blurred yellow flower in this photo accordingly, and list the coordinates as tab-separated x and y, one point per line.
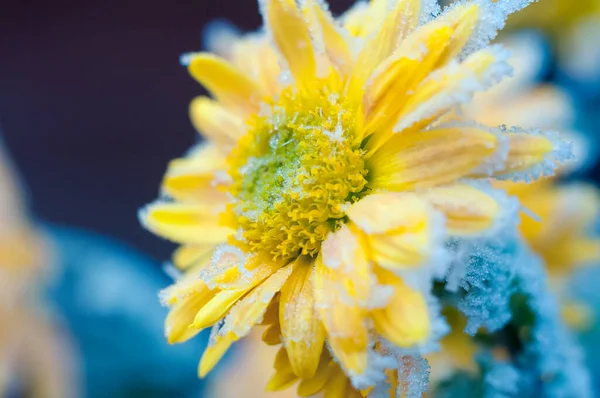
333	175
33	355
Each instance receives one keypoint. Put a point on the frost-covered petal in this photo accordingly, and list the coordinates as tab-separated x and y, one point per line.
302	331
396	238
386	93
226	83
418	160
388	212
452	85
246	313
463	20
213	354
291	35
184	223
345	324
216	123
468	210
181	316
400	20
404	321
336	46
194	178
533	154
345	253
186	256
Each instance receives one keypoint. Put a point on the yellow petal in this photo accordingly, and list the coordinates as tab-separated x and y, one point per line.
468	210
463	20
399	22
245	315
451	85
404	321
195	178
578	315
272	335
226	83
250	310
344	252
179	321
336	46
337	386
396	239
302	331
526	151
217	307
362	19
312	386
387	92
345	324
284	375
187	256
292	38
411	161
213	354
380	213
184	223
216	122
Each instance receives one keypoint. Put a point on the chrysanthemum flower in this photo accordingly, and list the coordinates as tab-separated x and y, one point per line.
321	205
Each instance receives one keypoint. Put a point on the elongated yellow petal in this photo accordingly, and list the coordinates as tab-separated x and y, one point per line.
336	46
425	159
387	92
184	223
345	325
284	375
526	151
292	38
312	386
302	331
463	20
399	22
242	318
195	178
187	256
213	354
468	210
216	122
337	386
217	307
226	83
450	86
250	310
405	320
178	324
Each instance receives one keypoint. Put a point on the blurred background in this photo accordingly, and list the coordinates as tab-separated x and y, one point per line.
93	104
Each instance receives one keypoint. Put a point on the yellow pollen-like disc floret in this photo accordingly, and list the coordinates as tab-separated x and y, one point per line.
294	172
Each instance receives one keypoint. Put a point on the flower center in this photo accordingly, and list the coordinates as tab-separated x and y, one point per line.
294	173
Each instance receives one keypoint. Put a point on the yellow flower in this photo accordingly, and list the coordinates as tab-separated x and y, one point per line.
333	175
32	352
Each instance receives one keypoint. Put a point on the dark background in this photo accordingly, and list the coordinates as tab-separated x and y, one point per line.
93	102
